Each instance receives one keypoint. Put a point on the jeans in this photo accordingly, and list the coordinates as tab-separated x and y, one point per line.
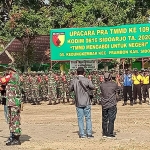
6	113
108	119
81	113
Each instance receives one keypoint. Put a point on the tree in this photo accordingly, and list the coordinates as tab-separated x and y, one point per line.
25	24
87	13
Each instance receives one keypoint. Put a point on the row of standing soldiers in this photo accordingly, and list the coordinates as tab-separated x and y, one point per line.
54	86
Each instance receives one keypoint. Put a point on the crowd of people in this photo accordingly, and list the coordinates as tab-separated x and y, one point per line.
54	87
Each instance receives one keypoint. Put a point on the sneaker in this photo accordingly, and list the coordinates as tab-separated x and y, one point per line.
111	136
104	136
90	136
82	137
140	102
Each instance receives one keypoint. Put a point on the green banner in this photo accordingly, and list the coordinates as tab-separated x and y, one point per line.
126	41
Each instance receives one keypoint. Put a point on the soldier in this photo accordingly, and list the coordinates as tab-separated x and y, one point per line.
26	87
72	96
14	106
51	88
44	86
35	89
58	86
68	80
96	83
64	85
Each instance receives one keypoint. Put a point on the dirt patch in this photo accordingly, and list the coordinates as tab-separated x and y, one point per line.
55	127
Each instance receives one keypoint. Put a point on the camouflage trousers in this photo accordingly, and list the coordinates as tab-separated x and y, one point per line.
51	93
14	120
96	96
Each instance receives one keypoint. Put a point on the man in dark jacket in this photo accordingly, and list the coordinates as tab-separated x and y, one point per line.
82	102
109	105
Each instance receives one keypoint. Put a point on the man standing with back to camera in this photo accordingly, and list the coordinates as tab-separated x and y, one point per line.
82	102
109	105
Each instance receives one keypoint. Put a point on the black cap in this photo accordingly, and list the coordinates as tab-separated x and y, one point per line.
80	69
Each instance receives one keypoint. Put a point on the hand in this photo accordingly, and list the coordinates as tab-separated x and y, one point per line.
1	88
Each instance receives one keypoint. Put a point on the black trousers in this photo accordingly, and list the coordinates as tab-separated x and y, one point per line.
145	88
108	119
127	90
137	91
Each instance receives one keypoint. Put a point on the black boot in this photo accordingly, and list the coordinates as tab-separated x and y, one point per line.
140	102
144	100
10	138
125	103
16	140
131	103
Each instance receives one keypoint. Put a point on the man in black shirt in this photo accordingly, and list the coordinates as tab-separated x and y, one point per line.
109	105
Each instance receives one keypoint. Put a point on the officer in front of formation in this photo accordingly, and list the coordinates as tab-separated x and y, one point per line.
127	87
146	85
137	84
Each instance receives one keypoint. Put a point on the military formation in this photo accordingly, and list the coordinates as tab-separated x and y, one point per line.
53	86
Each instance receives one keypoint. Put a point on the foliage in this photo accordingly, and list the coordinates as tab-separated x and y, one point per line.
87	13
27	19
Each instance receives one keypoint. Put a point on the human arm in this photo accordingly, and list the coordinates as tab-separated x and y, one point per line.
91	86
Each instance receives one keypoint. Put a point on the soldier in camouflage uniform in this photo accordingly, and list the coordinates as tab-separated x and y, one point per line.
68	80
64	86
72	96
44	86
34	89
13	101
96	83
28	83
51	89
25	87
59	86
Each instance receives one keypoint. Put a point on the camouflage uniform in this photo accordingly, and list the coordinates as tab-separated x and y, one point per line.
72	95
51	88
67	84
44	84
64	87
25	86
13	102
96	85
35	90
58	87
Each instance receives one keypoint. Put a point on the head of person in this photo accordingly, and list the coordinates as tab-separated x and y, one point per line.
80	71
107	77
135	71
145	71
126	71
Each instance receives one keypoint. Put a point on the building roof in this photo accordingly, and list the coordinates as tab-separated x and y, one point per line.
41	44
